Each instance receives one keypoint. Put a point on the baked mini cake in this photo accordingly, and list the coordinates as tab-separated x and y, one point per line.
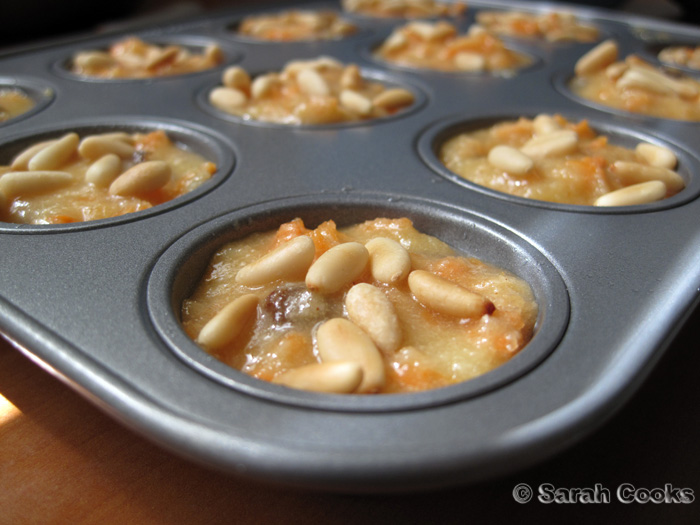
135	58
72	179
552	26
296	25
13	103
438	46
308	92
404	8
635	85
377	307
549	158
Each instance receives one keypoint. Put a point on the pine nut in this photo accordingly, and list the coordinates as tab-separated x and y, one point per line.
312	83
422	29
351	77
330	378
228	323
356	102
116	135
616	70
395	41
393	98
389	261
657	156
637	79
446	297
544	124
635	172
227	99
337	267
21	161
141	178
95	146
468	61
510	160
428	31
161	56
16	183
551	145
93	60
642	193
325	62
237	78
214	54
370	309
104	170
288	262
598	58
263	85
56	154
341	340
659	82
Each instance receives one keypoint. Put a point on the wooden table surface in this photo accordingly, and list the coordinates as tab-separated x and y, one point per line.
64	461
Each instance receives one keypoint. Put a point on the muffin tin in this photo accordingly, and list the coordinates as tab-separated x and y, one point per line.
96	303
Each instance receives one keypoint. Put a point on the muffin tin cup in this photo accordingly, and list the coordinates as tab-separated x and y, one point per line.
612	285
371	75
182	265
194	43
619	133
205	142
40	92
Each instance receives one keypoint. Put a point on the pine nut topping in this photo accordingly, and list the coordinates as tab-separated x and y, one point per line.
227	99
446	297
289	262
337	267
237	78
389	261
55	154
21	161
642	193
393	98
396	41
468	61
356	102
636	78
104	170
161	57
544	124
228	323
656	81
370	309
551	145
312	83
616	70
331	378
351	77
15	183
341	340
95	146
657	156
141	178
510	160
633	171
93	59
263	85
598	58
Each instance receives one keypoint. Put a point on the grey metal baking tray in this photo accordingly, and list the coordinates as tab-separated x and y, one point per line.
96	303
